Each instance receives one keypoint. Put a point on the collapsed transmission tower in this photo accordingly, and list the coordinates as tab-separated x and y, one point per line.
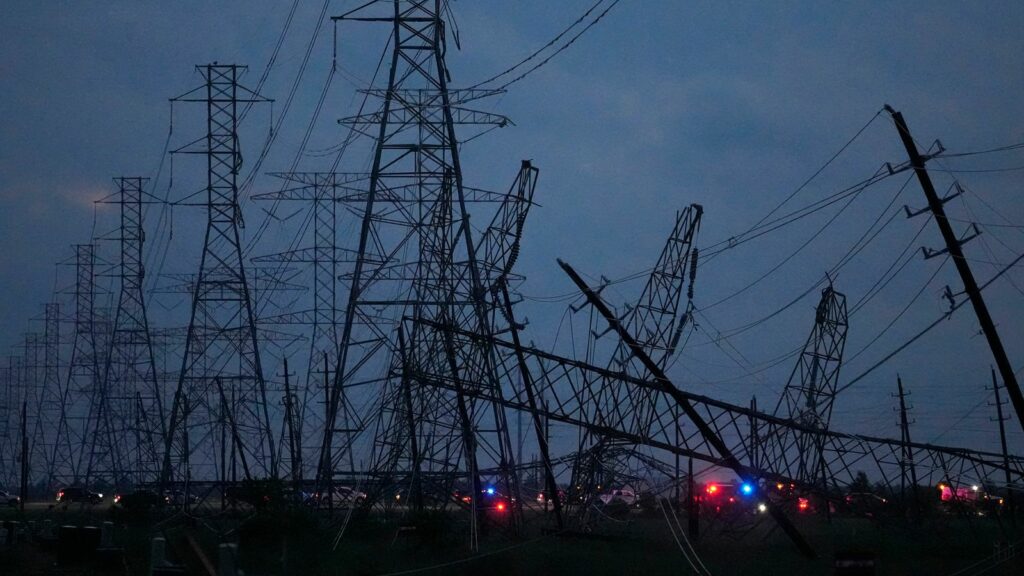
417	259
811	389
658	319
221	395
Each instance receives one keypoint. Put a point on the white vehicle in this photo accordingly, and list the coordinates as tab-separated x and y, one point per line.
9	499
345	495
625	494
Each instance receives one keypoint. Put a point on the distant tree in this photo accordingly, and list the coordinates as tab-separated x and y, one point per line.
860	483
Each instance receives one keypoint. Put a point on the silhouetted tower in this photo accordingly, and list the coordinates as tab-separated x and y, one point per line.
47	399
415	241
322	190
221	358
657	319
81	393
25	387
128	439
10	380
811	388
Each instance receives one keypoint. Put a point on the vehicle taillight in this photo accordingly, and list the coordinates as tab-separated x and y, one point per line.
803	504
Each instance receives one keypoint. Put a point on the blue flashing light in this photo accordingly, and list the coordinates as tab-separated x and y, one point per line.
747	488
490	490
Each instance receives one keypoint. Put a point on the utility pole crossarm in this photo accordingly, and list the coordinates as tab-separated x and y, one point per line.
954	246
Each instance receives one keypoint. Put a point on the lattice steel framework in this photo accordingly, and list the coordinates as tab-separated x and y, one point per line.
10	402
81	394
221	383
811	388
417	258
658	318
47	400
322	190
129	422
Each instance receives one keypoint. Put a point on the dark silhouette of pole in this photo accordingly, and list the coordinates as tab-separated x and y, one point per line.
1002	441
692	508
294	442
954	247
908	453
25	456
538	425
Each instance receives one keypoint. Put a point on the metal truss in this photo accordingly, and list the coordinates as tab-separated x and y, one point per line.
307	409
417	258
129	422
81	393
219	411
713	431
811	389
658	318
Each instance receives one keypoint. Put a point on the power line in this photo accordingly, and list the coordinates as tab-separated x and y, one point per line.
928	328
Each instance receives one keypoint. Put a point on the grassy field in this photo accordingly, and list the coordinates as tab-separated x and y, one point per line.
286	542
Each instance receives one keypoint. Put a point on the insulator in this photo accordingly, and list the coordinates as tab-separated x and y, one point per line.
693	273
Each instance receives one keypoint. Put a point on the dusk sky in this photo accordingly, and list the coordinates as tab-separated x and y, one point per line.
732	105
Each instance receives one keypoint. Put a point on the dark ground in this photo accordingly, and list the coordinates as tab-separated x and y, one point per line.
282	542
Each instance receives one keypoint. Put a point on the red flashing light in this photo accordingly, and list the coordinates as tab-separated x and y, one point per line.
501	506
712	489
803	504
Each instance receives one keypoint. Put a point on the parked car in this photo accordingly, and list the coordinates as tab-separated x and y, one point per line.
139	500
177	498
9	499
626	495
341	496
78	494
865	504
542	497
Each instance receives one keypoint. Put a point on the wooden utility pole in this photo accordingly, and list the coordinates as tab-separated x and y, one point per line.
25	456
908	452
954	247
1002	441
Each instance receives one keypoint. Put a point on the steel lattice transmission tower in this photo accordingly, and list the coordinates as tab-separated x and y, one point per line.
128	440
323	191
658	319
221	374
416	259
811	389
10	386
81	391
47	397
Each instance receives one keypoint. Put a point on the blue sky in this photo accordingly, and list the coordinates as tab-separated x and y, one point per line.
728	104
